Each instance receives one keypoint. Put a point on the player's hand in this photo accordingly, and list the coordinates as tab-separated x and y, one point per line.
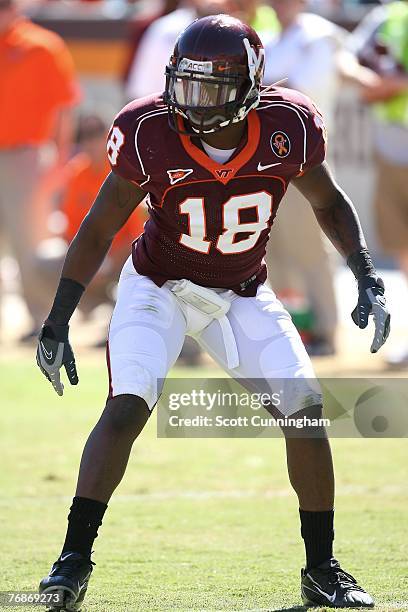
371	301
53	352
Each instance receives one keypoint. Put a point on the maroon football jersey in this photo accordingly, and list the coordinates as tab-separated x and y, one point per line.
210	222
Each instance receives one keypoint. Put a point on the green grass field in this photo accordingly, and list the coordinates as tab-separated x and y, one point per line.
196	524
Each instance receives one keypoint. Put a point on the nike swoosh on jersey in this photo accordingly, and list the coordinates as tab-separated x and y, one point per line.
262	167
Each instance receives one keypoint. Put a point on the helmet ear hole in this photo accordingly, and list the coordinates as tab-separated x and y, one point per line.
214	75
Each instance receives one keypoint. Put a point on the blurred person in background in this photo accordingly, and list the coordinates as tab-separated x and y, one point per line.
38	90
146	75
381	43
85	173
351	2
303	51
323	6
138	26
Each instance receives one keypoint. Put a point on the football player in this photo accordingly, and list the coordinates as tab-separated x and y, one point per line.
215	155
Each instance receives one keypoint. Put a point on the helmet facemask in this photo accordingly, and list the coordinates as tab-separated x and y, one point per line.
210	95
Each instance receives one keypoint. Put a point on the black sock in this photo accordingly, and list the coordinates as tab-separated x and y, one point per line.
318	535
83	521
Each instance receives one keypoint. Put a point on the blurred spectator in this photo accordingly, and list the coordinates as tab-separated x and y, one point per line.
38	90
351	2
304	42
381	42
85	174
323	6
304	53
138	27
146	74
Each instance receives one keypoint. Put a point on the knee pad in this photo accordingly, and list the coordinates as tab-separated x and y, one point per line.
135	379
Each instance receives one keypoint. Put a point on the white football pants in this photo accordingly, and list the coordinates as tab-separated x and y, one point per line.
149	324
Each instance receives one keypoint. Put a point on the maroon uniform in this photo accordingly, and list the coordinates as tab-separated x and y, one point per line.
210	222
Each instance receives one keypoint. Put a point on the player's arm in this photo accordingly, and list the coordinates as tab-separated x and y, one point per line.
333	209
115	202
338	219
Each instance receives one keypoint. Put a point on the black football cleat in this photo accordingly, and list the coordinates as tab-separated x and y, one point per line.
68	581
328	585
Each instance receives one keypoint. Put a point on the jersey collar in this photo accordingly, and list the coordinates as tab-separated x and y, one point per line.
225	172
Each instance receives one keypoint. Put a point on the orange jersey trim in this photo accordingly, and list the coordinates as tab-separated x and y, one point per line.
225	172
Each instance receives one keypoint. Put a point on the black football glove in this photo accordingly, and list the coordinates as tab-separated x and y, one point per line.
53	352
371	301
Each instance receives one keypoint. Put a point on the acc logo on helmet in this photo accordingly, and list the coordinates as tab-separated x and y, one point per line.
194	66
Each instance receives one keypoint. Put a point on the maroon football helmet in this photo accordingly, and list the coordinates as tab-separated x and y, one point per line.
214	75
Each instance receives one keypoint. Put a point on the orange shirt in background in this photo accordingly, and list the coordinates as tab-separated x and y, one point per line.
83	184
37	78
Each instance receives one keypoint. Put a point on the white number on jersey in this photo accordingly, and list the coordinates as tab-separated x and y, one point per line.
196	238
115	144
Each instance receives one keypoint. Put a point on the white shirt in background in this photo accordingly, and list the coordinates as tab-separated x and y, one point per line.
146	74
305	54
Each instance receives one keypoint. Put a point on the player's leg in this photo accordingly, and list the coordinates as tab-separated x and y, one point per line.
271	353
270	349
311	474
145	337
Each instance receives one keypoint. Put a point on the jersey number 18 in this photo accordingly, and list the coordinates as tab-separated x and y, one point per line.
196	237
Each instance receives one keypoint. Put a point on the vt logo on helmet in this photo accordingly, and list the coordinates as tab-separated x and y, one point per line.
214	75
